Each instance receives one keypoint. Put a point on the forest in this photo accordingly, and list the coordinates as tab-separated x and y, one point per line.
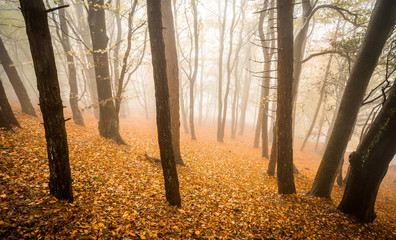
192	119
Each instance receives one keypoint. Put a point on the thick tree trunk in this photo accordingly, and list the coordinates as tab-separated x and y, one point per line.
172	71
73	96
51	105
16	81
284	130
6	109
369	164
381	24
162	102
108	119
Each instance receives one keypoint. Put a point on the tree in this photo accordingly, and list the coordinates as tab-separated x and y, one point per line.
16	81
162	102
284	135
108	118
8	115
380	26
222	20
73	96
369	163
51	106
172	71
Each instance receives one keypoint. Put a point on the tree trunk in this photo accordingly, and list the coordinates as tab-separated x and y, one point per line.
83	30
284	130
108	119
162	102
381	24
6	109
193	79
245	95
220	130
369	164
73	96
181	94
51	105
172	71
16	81
272	162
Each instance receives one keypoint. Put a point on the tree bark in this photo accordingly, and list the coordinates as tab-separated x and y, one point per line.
172	71
16	81
369	164
51	106
284	130
220	130
193	79
162	102
381	24
272	161
6	109
73	96
108	119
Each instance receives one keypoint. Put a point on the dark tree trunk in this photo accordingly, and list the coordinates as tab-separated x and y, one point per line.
6	109
108	119
51	105
369	164
272	161
16	81
3	122
284	130
381	24
162	102
73	96
172	69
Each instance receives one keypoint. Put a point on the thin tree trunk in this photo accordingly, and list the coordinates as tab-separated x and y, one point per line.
321	97
73	96
193	79
16	81
51	106
220	132
381	24
245	94
162	102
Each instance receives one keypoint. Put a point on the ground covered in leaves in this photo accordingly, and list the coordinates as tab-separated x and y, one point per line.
119	194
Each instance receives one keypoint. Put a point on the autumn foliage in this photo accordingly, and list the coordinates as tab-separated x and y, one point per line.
119	193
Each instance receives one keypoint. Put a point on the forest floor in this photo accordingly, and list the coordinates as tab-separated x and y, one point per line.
119	194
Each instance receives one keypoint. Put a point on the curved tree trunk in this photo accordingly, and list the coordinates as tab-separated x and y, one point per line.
381	24
369	164
51	106
16	81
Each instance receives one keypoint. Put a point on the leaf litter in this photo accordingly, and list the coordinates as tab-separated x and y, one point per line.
119	194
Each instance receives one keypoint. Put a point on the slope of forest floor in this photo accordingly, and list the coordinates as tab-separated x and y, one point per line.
119	194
